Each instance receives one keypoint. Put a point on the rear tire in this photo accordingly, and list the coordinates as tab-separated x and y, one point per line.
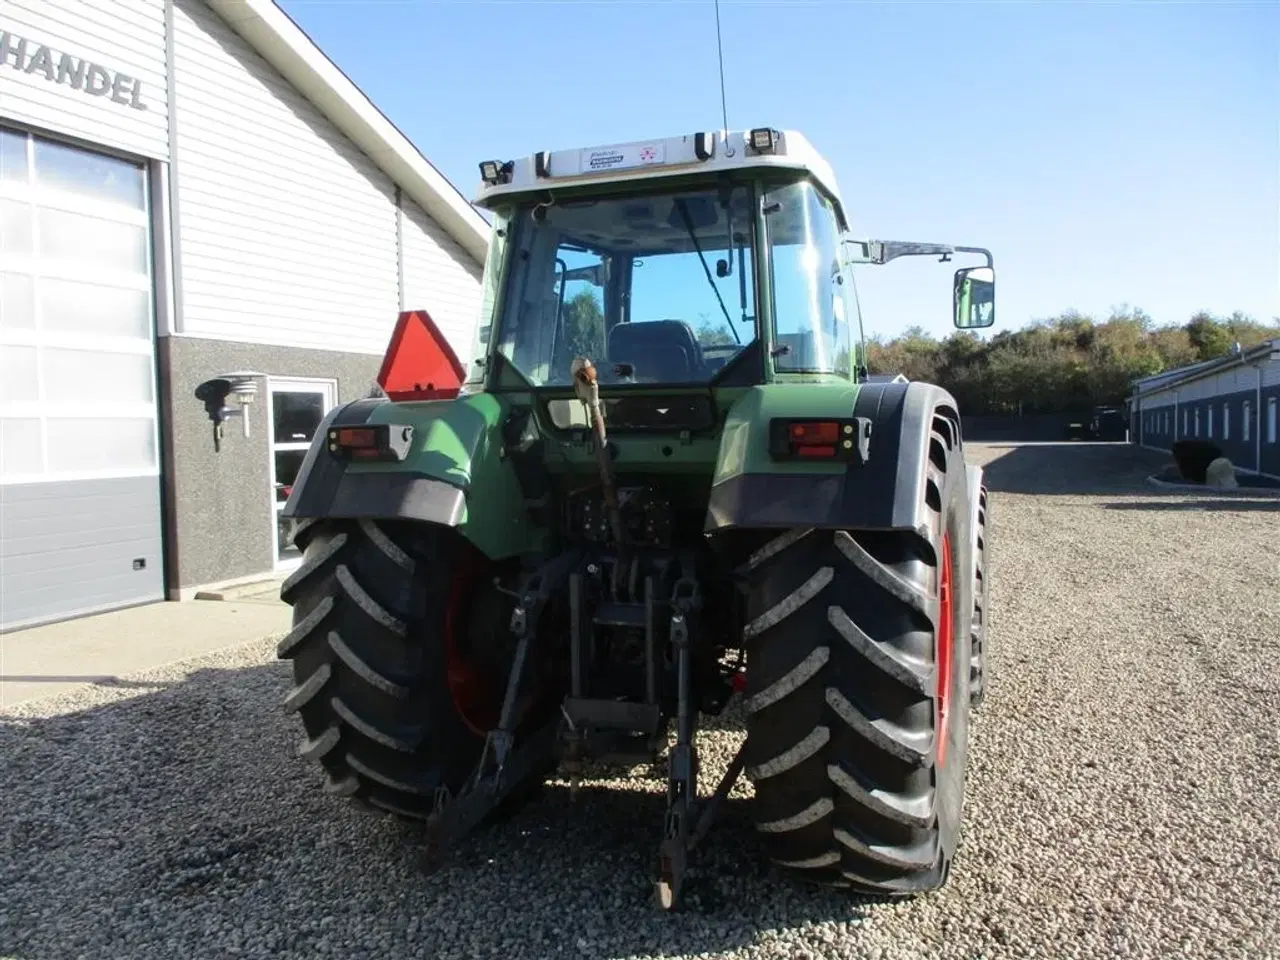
979	669
854	650
373	626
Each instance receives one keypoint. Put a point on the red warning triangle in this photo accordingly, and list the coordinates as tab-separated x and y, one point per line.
419	363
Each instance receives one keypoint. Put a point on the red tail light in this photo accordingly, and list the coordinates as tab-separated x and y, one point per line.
419	363
812	433
378	441
839	439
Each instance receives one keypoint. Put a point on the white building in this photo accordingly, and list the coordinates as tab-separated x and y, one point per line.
189	188
1233	401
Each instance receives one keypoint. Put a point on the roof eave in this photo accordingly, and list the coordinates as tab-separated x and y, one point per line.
283	44
1208	368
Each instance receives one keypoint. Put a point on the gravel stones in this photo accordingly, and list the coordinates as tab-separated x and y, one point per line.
1120	795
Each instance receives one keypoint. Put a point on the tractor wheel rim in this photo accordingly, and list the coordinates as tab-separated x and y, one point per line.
474	695
945	649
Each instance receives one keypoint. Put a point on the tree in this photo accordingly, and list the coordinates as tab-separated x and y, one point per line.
713	336
583	329
1069	362
1209	337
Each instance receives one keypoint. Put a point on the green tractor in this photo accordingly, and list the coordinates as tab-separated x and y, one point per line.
663	481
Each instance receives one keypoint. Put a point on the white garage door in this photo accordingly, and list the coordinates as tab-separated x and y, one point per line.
80	514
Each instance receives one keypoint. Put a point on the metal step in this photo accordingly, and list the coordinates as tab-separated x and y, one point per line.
619	615
628	716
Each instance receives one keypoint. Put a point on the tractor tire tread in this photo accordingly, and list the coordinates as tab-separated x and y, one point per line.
369	675
840	696
979	665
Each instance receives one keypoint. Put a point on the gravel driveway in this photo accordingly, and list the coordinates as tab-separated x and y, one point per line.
1122	798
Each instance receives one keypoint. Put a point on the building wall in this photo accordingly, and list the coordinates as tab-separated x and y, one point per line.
102	78
1271	430
289	234
220	525
439	277
80	511
295	255
77	546
287	231
278	247
1215	408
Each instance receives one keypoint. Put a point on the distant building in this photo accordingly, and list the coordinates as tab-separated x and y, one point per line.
1233	401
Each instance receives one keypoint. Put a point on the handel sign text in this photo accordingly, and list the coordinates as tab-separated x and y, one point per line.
38	59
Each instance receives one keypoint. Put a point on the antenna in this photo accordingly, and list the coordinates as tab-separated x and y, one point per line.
724	109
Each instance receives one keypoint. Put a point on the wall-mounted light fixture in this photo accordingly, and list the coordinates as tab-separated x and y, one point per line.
214	393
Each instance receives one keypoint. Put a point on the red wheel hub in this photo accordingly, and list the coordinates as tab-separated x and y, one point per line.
945	652
477	695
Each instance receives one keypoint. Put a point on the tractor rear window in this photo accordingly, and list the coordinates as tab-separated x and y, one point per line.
654	289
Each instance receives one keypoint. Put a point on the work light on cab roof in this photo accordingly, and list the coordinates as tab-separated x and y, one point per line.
701	152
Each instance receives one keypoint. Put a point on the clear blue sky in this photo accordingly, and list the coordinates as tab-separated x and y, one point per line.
1107	153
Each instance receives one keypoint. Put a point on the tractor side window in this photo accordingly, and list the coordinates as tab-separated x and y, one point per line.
489	294
554	304
847	303
811	290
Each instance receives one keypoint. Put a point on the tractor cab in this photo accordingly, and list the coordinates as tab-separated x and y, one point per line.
702	260
698	260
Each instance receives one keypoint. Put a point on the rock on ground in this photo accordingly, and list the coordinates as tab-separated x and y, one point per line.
1220	473
1121	795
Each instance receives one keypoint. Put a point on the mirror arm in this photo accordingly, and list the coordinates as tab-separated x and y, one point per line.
882	251
982	250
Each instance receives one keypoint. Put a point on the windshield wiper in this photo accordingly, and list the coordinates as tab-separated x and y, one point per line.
688	226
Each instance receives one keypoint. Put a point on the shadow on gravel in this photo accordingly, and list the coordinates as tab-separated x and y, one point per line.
1228	504
1069	468
178	823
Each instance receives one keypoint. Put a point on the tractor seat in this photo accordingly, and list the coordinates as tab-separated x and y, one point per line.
659	351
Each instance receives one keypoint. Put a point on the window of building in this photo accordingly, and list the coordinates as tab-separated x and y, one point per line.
1185	421
1245	426
1209	425
1226	421
296	407
1197	421
1271	420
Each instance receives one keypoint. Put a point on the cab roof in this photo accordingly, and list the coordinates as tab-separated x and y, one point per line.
639	160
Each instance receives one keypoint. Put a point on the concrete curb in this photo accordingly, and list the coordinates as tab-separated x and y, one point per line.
266	590
1265	492
126	685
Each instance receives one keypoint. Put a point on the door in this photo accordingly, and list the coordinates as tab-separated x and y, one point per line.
80	513
297	407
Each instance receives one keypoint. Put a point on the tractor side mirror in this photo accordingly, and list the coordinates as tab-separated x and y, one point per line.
974	298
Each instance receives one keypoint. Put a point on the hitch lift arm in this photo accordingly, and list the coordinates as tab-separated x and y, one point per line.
504	763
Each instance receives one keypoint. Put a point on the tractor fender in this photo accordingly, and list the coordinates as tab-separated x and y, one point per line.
751	490
456	458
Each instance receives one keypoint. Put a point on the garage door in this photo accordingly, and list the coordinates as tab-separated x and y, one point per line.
80	515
